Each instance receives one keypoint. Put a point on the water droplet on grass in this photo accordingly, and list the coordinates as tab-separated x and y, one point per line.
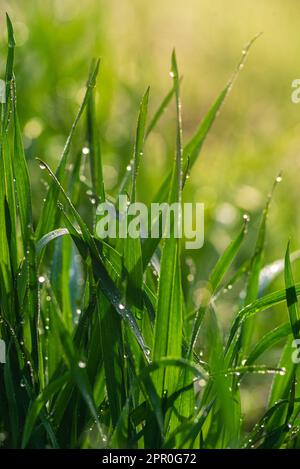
190	277
85	151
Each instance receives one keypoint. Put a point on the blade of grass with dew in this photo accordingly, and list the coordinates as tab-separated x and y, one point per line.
254	272
132	246
31	304
159	112
258	306
152	124
280	388
21	176
168	323
94	150
268	341
8	244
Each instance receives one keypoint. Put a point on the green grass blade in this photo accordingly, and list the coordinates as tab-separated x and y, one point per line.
168	324
95	150
132	246
227	258
268	341
255	269
159	112
257	306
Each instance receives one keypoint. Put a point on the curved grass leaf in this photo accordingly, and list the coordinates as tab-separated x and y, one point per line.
268	341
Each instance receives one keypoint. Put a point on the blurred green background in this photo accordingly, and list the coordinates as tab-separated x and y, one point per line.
256	135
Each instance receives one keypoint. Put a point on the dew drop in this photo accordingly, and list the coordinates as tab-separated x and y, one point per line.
42	166
82	364
85	151
121	306
41	279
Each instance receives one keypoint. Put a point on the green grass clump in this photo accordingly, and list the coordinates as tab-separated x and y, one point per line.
103	350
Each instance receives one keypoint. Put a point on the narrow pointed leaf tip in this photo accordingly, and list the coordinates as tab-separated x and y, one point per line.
10	32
